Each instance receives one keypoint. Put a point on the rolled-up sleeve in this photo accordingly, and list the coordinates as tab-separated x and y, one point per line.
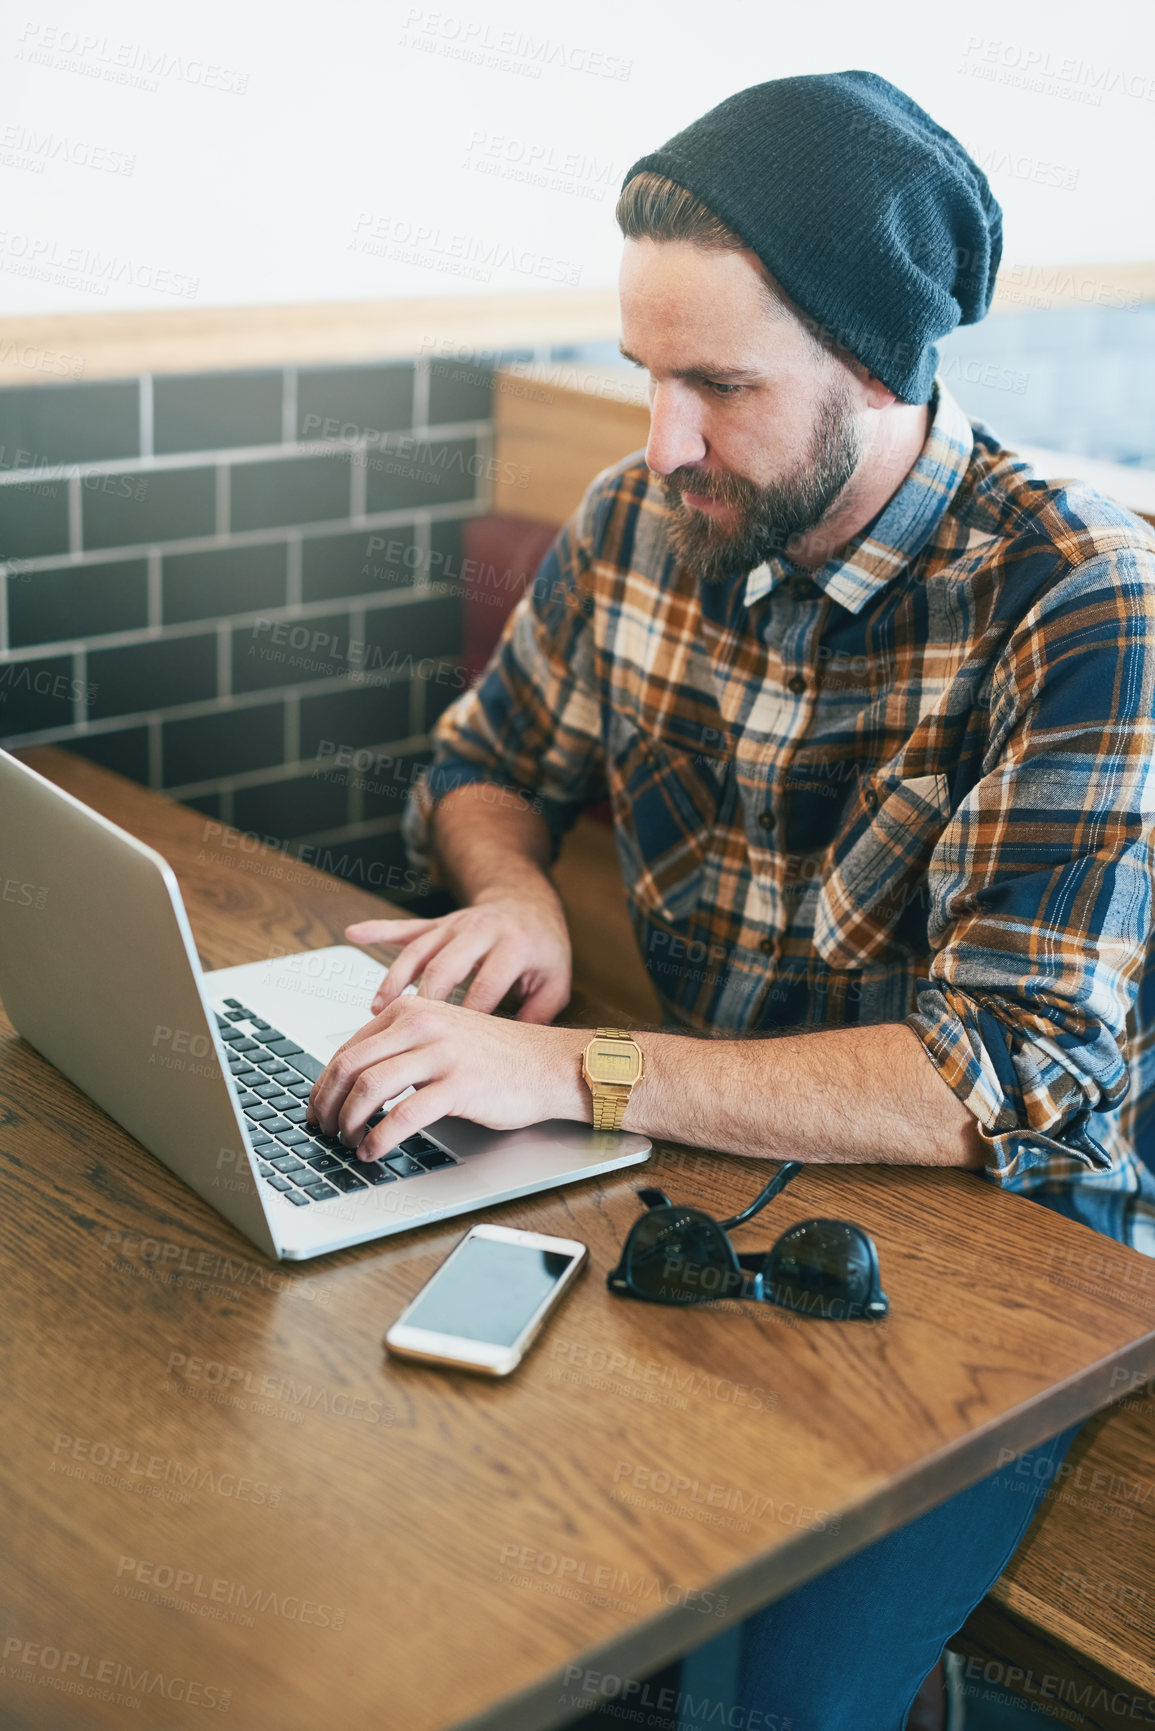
1040	886
532	723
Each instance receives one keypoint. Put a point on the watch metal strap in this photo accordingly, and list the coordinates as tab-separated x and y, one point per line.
610	1099
610	1102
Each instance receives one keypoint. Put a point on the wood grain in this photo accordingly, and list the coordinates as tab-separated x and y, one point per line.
477	1539
52	347
1077	1602
1007	1655
1088	1570
554	433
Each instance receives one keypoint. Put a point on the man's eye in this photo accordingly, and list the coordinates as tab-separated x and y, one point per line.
723	390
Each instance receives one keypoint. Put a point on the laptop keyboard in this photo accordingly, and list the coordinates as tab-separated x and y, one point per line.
274	1078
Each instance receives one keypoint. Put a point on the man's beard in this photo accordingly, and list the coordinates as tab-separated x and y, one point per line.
770	520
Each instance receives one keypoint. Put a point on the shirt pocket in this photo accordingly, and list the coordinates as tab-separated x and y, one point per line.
873	892
666	798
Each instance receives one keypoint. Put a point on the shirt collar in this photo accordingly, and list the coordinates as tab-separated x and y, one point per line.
903	527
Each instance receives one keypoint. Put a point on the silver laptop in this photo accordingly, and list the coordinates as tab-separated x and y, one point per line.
210	1071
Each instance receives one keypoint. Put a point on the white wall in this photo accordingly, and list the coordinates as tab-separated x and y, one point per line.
289	153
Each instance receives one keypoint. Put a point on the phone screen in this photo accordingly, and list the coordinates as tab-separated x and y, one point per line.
488	1291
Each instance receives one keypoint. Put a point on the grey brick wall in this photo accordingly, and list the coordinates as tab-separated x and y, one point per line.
242	587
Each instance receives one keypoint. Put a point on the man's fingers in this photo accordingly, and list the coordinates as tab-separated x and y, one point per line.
409	964
494	978
377	1083
545	1001
433	1101
386	931
452	964
343	1069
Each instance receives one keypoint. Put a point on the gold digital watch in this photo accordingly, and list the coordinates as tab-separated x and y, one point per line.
611	1064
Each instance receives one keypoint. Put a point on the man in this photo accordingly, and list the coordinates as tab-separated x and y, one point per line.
874	708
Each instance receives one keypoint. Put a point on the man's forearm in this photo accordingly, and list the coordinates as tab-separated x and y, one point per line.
489	841
847	1094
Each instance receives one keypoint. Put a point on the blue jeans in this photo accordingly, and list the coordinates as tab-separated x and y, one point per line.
849	1651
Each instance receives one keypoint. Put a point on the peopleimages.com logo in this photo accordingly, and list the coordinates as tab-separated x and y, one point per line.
68	1670
216	1595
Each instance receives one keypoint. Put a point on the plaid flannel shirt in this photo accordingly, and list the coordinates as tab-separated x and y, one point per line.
916	785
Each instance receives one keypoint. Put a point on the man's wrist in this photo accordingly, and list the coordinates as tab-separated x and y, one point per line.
483	845
517	883
571	1093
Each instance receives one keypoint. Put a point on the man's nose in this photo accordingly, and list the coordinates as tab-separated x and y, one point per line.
675	437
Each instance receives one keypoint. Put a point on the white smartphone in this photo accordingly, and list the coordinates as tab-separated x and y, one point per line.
487	1301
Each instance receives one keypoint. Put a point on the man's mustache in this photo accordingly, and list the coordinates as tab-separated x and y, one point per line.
726	489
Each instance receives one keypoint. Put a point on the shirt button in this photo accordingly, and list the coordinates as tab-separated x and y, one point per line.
766	820
870	799
767	946
797	684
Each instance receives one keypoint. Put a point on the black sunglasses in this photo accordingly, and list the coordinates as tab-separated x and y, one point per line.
677	1255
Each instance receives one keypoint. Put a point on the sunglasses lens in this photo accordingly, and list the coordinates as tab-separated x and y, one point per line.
678	1256
822	1267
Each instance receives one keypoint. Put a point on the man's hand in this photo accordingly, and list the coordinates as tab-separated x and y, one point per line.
512	940
462	1063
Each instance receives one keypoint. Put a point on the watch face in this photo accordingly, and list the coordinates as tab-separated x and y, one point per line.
615	1061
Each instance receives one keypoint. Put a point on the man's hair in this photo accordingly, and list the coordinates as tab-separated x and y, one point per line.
653	207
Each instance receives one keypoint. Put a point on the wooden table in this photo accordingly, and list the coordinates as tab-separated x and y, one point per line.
223	1492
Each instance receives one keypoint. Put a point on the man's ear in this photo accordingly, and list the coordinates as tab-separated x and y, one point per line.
866	391
873	393
879	396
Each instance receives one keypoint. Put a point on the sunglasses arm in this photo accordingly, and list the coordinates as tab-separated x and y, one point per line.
780	1180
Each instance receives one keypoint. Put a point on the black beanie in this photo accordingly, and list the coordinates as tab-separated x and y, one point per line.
874	220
